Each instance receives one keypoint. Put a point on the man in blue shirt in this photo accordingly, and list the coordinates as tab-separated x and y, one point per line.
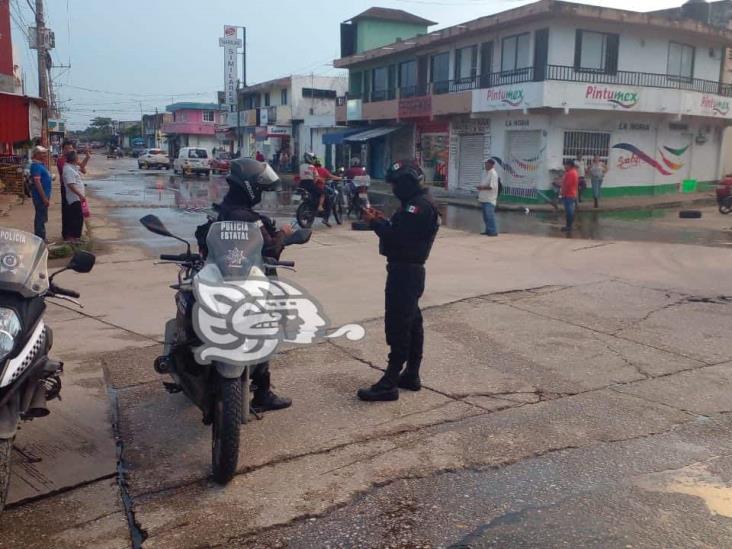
40	190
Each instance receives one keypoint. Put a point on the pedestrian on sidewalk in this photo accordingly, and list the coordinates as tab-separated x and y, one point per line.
581	172
568	193
488	196
68	146
598	169
75	197
41	191
406	240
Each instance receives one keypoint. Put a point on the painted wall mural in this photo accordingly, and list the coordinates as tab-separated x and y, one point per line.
670	158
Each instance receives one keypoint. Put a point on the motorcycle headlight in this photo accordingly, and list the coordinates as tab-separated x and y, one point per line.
9	330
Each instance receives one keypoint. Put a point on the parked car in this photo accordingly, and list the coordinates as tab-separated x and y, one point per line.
222	163
192	160
153	158
137	151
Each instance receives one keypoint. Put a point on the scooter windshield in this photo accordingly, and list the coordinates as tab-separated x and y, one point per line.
23	263
236	248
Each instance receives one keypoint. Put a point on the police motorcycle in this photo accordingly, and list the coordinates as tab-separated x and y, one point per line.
28	377
211	344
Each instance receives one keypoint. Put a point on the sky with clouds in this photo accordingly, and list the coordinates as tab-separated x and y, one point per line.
135	56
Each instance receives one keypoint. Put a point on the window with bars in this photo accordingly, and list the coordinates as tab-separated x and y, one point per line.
585	145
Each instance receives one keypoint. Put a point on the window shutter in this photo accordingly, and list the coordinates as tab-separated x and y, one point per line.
613	46
474	62
458	60
578	50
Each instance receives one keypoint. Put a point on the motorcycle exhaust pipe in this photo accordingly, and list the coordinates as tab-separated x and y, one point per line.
38	406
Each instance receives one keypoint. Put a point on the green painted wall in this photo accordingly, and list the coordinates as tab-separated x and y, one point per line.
372	34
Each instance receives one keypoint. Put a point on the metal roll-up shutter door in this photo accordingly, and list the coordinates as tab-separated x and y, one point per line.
471	161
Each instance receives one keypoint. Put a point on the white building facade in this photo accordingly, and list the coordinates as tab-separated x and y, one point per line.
534	86
288	114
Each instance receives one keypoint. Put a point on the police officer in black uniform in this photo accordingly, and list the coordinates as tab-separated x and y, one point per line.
247	180
406	240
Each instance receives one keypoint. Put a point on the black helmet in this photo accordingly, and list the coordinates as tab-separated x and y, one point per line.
251	178
406	177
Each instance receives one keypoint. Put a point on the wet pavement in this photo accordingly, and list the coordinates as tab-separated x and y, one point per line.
181	203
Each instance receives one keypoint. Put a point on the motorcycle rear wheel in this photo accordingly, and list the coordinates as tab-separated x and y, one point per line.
6	451
227	419
305	214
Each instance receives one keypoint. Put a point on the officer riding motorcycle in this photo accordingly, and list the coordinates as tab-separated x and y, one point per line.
247	180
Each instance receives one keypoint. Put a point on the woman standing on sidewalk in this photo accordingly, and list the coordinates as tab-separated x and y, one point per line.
75	197
598	169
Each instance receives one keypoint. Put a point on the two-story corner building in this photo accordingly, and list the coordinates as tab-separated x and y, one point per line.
288	114
533	86
192	125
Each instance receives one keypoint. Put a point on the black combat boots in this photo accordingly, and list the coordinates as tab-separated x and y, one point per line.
409	379
383	390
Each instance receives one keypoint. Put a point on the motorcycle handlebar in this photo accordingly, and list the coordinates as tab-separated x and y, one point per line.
180	258
62	291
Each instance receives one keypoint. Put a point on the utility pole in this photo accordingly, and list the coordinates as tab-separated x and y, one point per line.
43	90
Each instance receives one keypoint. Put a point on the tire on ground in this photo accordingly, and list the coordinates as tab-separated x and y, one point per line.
690	214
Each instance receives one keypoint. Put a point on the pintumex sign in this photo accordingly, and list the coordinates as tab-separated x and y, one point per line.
582	96
618	97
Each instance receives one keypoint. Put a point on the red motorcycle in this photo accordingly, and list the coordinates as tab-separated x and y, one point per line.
724	195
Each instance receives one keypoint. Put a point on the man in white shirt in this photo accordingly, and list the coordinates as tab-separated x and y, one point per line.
488	197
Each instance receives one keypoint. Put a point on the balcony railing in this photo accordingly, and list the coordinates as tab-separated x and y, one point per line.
638	79
553	73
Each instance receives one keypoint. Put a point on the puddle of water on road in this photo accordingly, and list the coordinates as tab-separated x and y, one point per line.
179	203
694	481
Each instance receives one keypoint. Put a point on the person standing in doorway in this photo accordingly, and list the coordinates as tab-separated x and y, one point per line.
582	182
569	191
41	190
598	169
488	197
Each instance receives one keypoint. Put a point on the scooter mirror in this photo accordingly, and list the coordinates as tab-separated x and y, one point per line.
153	224
82	262
301	236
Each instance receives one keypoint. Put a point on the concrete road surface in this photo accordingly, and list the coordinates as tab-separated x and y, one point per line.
576	394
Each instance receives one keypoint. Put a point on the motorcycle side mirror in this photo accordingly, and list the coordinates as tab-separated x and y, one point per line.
301	236
82	262
153	224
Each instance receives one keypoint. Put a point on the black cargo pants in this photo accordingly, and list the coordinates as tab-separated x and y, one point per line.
403	319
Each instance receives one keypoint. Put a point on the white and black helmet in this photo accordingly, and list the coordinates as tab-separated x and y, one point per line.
309	158
252	177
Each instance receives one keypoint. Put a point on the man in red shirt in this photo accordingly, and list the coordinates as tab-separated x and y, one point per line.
568	193
324	176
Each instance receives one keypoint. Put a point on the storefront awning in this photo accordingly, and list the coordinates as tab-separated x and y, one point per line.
373	133
337	138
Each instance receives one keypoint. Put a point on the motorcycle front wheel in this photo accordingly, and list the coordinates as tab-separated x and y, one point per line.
227	415
6	450
305	214
338	210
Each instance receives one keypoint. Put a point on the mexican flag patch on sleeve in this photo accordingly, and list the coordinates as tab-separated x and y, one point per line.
412	209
